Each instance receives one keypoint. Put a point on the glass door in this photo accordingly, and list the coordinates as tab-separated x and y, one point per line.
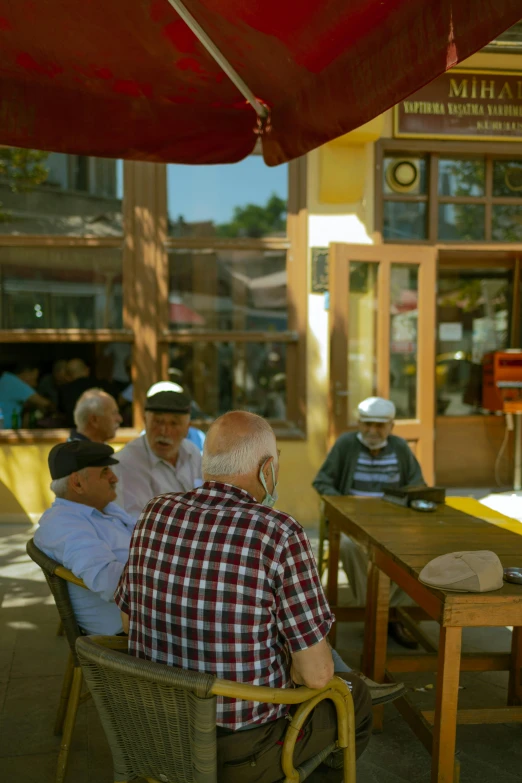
382	338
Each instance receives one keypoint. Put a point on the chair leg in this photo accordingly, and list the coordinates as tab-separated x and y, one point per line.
64	695
68	728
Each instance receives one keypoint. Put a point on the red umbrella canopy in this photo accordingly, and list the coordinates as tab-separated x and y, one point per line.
128	78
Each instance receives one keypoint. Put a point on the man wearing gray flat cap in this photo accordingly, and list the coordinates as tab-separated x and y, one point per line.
161	459
367	463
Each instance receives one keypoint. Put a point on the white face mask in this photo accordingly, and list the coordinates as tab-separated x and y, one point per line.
371	443
268	500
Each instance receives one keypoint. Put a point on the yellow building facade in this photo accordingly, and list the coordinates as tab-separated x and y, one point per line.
334	202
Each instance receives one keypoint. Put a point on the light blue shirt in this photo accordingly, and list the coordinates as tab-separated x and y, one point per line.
197	437
94	545
13	393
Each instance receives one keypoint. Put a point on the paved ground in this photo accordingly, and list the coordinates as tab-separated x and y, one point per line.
32	661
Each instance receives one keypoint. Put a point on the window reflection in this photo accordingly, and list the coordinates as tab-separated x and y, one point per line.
245	199
404	284
50	193
223	376
228	289
507	178
60	288
404	220
461	177
474	313
461	222
506	222
362	336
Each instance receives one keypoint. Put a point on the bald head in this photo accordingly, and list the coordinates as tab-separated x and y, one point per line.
237	444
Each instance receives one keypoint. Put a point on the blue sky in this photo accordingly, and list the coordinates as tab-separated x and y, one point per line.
211	192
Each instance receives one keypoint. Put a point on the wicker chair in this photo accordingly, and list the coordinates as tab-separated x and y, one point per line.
57	577
160	721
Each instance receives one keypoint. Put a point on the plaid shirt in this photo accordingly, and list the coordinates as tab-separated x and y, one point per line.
219	583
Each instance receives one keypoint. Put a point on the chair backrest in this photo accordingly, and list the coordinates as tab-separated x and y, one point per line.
60	592
160	721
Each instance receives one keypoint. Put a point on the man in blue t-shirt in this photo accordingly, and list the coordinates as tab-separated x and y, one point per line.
17	391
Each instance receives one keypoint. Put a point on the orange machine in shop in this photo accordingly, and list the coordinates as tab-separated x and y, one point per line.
502	391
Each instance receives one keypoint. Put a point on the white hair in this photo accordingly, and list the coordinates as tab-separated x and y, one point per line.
91	402
243	452
60	486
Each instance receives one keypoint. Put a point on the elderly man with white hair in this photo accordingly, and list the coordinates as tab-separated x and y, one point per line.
86	531
219	582
161	459
366	463
96	417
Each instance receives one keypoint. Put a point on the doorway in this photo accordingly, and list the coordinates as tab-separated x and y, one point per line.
478	311
382	338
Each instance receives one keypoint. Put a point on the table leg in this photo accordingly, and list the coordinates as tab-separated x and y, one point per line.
515	674
332	589
376	632
445	722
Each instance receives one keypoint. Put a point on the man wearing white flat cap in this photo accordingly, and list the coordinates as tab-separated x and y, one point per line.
162	459
367	463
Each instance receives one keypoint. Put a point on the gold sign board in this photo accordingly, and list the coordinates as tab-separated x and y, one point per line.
464	104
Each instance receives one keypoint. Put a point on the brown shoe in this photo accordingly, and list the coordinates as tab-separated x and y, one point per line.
402	636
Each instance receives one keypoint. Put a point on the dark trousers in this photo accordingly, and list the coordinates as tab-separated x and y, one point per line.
254	756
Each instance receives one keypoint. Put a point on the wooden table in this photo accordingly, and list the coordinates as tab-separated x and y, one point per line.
400	542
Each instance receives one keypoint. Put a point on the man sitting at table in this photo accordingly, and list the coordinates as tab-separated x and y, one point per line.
366	463
86	531
219	582
162	459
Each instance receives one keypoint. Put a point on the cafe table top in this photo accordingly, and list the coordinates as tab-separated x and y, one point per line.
405	540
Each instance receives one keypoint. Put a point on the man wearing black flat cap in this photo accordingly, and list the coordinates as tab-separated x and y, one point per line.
162	459
86	530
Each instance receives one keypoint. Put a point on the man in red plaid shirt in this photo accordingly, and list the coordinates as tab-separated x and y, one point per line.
217	581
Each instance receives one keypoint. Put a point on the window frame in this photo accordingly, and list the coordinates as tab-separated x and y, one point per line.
435	150
144	244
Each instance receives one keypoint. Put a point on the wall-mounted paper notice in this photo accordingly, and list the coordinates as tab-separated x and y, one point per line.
450	332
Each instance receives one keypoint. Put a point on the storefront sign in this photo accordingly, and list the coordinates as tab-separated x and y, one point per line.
319	283
463	104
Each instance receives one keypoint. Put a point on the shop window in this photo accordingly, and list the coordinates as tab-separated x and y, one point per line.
405	197
474	316
448	197
404	315
107	366
60	288
223	376
50	193
461	222
229	291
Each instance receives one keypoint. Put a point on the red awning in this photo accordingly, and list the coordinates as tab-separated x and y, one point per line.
127	78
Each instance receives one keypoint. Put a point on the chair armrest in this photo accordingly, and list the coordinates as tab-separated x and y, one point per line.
337	691
64	573
246	692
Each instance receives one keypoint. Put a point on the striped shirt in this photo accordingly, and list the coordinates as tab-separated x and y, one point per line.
375	474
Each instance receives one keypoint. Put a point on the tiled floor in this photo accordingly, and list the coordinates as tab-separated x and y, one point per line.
32	661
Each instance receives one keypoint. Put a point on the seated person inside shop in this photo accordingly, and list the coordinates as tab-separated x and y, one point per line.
86	531
18	396
366	463
162	459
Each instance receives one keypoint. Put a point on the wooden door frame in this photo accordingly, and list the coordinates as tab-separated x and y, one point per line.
420	429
